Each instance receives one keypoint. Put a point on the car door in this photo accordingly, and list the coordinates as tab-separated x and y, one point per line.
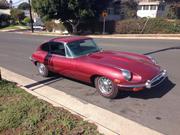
59	62
43	55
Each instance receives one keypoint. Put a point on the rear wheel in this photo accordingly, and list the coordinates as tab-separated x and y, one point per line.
43	70
106	87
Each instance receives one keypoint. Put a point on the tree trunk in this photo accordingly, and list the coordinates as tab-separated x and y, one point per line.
74	26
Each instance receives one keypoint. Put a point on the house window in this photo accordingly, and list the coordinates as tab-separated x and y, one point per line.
140	7
153	7
45	47
145	7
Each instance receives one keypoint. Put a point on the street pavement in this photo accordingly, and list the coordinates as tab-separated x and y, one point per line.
157	108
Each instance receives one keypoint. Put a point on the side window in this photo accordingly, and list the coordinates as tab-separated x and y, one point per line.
45	47
57	48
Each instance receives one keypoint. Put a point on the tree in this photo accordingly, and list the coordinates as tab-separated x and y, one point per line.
129	9
4	4
68	11
171	1
26	20
24	6
17	15
174	11
4	18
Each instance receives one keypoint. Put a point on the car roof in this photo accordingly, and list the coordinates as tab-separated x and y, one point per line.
68	39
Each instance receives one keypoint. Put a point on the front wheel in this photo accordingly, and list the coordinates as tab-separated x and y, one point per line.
43	70
106	87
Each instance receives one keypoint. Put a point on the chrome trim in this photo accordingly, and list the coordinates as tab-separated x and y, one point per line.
162	75
31	59
149	83
131	86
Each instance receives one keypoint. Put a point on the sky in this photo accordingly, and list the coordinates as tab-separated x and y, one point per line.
17	2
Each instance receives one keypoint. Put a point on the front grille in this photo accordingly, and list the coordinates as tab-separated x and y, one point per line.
158	79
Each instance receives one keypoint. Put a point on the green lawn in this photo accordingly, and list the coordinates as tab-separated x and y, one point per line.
15	27
22	113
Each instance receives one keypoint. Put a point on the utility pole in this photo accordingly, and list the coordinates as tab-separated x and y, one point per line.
104	15
30	12
10	4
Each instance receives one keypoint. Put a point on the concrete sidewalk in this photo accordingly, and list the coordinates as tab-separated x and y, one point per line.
110	36
107	122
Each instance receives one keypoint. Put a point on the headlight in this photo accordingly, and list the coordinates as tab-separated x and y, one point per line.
126	74
153	60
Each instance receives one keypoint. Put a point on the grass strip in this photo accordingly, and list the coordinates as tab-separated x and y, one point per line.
23	114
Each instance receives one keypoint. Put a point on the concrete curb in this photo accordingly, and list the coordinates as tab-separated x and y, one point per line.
108	123
115	36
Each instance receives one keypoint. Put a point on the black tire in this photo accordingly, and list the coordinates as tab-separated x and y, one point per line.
43	70
114	89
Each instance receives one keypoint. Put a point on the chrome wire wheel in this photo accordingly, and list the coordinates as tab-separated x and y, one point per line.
105	85
42	69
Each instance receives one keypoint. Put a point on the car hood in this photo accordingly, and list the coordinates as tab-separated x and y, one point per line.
135	63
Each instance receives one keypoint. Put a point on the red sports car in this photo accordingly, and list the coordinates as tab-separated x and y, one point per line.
110	71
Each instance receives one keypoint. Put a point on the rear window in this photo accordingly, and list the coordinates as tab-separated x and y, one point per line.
45	47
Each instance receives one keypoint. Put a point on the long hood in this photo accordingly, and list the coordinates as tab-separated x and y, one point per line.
135	63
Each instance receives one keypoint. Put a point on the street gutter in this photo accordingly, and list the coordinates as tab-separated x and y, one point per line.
108	123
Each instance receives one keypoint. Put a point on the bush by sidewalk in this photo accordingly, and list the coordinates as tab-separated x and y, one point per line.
22	113
154	26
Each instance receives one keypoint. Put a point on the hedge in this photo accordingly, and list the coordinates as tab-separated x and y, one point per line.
153	26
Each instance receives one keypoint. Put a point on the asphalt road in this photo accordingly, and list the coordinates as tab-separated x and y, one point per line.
158	108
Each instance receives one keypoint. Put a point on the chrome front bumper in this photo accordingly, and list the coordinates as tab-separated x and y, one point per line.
31	59
149	83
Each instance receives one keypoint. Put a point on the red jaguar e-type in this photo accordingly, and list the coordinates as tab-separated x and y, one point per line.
110	71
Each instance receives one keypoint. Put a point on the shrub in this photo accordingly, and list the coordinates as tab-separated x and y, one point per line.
153	26
26	20
130	26
60	27
51	26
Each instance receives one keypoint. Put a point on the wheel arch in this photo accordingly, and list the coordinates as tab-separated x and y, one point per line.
93	77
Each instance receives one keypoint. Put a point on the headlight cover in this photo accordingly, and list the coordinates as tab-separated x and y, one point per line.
153	60
126	74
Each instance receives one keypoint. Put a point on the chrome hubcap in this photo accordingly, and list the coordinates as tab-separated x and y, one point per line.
42	69
105	85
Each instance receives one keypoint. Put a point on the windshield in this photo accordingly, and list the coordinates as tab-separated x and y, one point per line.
82	47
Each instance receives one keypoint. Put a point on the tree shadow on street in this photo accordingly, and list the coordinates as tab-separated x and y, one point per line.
161	50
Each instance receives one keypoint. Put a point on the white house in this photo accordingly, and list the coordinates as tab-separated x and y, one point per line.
5	11
5	7
151	9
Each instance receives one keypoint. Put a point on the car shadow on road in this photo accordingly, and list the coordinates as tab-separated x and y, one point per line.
42	83
161	50
157	92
